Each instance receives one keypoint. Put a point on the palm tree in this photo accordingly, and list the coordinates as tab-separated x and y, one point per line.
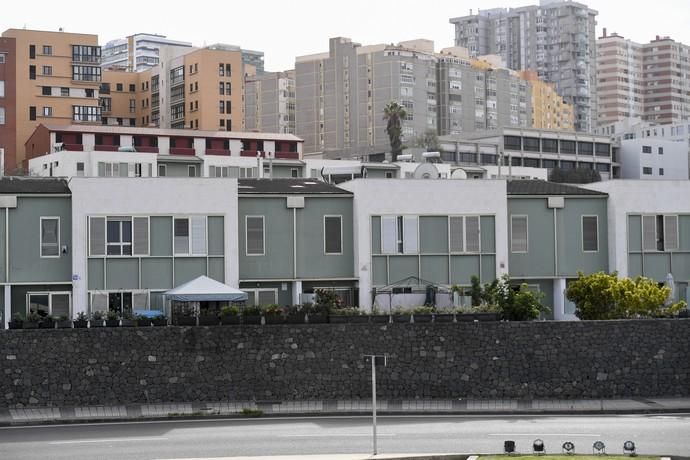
394	114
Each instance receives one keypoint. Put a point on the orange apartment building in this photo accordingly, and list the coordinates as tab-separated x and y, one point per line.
48	77
549	109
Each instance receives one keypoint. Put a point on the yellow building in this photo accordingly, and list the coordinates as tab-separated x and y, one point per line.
48	77
549	110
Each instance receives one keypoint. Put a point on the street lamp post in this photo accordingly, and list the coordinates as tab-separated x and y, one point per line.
375	359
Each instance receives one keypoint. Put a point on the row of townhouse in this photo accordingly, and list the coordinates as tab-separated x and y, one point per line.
86	244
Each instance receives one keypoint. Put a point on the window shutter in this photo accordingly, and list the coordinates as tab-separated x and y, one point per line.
255	235
101	169
670	233
389	233
332	235
124	169
457	243
410	239
181	236
472	233
141	236
649	233
518	234
97	236
267	297
49	237
99	302
199	235
590	238
140	300
132	170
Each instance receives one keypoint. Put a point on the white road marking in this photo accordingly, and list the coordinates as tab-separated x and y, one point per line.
547	434
338	435
92	441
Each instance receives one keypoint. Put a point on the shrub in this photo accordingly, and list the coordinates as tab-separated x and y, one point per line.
251	310
328	299
230	310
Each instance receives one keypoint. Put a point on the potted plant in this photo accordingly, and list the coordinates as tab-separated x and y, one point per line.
160	320
62	322
128	319
97	319
376	317
295	314
316	313
81	320
32	320
251	314
445	316
208	317
422	314
401	315
142	321
47	322
230	314
112	318
347	315
273	314
16	322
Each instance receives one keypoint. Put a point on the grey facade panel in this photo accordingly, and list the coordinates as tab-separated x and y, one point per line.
401	267
216	268
96	274
463	268
434	269
216	226
157	273
188	268
433	235
122	273
160	236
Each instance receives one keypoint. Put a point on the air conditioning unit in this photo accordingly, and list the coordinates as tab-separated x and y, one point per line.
307	298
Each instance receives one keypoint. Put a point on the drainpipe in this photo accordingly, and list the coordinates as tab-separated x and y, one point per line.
555	243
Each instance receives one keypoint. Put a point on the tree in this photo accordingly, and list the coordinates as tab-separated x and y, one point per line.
394	114
428	141
605	296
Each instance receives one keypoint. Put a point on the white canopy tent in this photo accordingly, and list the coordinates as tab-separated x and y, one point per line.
205	289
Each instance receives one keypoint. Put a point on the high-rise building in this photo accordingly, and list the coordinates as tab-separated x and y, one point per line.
270	102
647	81
45	77
137	52
549	110
556	39
340	96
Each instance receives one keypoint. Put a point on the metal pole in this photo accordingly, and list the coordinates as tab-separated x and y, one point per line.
373	397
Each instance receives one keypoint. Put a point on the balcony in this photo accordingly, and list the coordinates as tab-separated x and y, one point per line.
222	152
106	148
182	151
73	147
146	149
251	153
287	155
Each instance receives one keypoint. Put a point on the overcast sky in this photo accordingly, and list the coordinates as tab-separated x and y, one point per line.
288	28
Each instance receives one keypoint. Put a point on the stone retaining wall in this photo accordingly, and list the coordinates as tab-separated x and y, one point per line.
564	360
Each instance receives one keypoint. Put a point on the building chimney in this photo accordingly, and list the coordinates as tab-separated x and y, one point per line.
604	32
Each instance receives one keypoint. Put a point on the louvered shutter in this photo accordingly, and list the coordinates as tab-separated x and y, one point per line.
649	233
97	236
670	233
410	238
141	236
457	243
199	235
389	240
472	233
518	234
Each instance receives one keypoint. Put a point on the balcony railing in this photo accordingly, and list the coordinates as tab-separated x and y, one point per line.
73	147
287	155
251	153
182	151
225	152
106	148
146	149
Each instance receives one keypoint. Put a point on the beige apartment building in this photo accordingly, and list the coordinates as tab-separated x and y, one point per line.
549	109
47	77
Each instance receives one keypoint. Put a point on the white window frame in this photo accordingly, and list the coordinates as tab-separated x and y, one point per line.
50	295
189	236
656	233
105	236
401	244
340	218
256	291
582	233
464	234
246	236
41	237
120	244
526	217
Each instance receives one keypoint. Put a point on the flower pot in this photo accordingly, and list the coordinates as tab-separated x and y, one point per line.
143	322
251	319
30	325
274	319
317	318
357	319
380	319
208	321
465	317
158	322
444	318
112	323
97	323
295	318
336	319
185	321
129	323
46	324
488	316
422	318
401	318
66	324
80	323
229	319
14	324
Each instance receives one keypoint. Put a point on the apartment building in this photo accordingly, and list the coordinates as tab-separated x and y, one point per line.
653	159
341	96
554	38
647	81
47	77
269	102
137	52
549	110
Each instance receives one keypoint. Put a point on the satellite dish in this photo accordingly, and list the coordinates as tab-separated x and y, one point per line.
458	174
426	171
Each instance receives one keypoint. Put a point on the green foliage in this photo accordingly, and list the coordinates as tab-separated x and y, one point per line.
34	317
230	310
575	176
17	317
500	297
522	305
428	141
272	310
98	315
423	310
347	311
112	315
475	291
247	412
394	114
327	299
81	316
251	310
605	296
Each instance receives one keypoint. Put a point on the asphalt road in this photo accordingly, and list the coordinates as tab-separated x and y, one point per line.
653	434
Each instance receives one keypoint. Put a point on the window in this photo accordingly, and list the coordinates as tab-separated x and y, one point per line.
47	70
2	58
399	234
646	149
80	169
647	171
32	51
660	233
83	53
190	235
661	150
50	303
47	111
221	70
228	106
191	171
2	115
89	92
333	234
519	234
254	236
590	233
119	236
221	88
228	88
86	113
464	234
50	237
64	92
132	88
221	106
87	73
161	170
118	87
32	72
32	113
228	70
46	90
